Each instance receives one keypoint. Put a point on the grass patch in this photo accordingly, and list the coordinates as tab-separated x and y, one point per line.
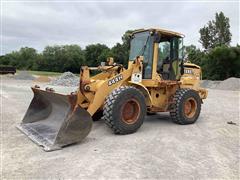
44	73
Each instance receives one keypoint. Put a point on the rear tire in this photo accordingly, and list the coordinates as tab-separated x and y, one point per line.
124	110
186	107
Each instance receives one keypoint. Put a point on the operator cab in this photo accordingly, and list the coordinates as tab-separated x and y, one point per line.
160	48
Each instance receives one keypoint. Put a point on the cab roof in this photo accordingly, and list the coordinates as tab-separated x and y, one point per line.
160	31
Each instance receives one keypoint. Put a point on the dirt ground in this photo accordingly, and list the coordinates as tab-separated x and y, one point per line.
159	150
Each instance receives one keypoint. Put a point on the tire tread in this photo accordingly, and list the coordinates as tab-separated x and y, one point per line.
174	112
109	105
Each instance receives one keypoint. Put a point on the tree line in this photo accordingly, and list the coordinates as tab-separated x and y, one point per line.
217	58
66	57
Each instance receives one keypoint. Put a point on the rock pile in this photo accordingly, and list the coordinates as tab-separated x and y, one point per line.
232	84
210	84
66	79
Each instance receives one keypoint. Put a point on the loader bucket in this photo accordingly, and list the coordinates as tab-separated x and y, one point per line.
53	121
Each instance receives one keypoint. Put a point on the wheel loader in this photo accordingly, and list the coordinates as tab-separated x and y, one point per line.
156	80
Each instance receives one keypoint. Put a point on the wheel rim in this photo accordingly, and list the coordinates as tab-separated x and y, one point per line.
190	107
130	111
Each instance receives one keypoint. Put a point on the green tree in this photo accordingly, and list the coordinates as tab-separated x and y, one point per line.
27	57
22	59
223	34
96	53
52	59
120	54
221	63
194	54
61	58
207	35
216	32
74	58
120	51
4	60
38	63
13	58
126	38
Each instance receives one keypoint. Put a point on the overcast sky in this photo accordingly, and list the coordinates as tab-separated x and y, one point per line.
37	24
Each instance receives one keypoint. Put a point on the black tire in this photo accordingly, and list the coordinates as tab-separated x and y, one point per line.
97	116
180	111
114	111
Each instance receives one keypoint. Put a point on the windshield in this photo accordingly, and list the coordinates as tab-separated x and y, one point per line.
138	44
142	45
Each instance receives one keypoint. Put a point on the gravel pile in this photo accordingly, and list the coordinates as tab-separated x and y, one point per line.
210	84
232	84
66	79
23	75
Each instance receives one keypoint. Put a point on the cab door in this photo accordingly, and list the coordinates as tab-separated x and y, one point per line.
168	60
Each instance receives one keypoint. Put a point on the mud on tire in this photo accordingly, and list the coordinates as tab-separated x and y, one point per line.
186	107
124	110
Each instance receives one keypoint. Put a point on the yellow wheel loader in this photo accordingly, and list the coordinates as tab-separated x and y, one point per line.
156	80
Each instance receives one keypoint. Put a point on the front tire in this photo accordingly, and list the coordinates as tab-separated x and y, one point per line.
186	107
124	110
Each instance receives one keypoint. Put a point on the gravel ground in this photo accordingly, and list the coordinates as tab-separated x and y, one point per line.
23	75
208	149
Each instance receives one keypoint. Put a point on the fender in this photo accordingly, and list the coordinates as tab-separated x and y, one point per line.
144	90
